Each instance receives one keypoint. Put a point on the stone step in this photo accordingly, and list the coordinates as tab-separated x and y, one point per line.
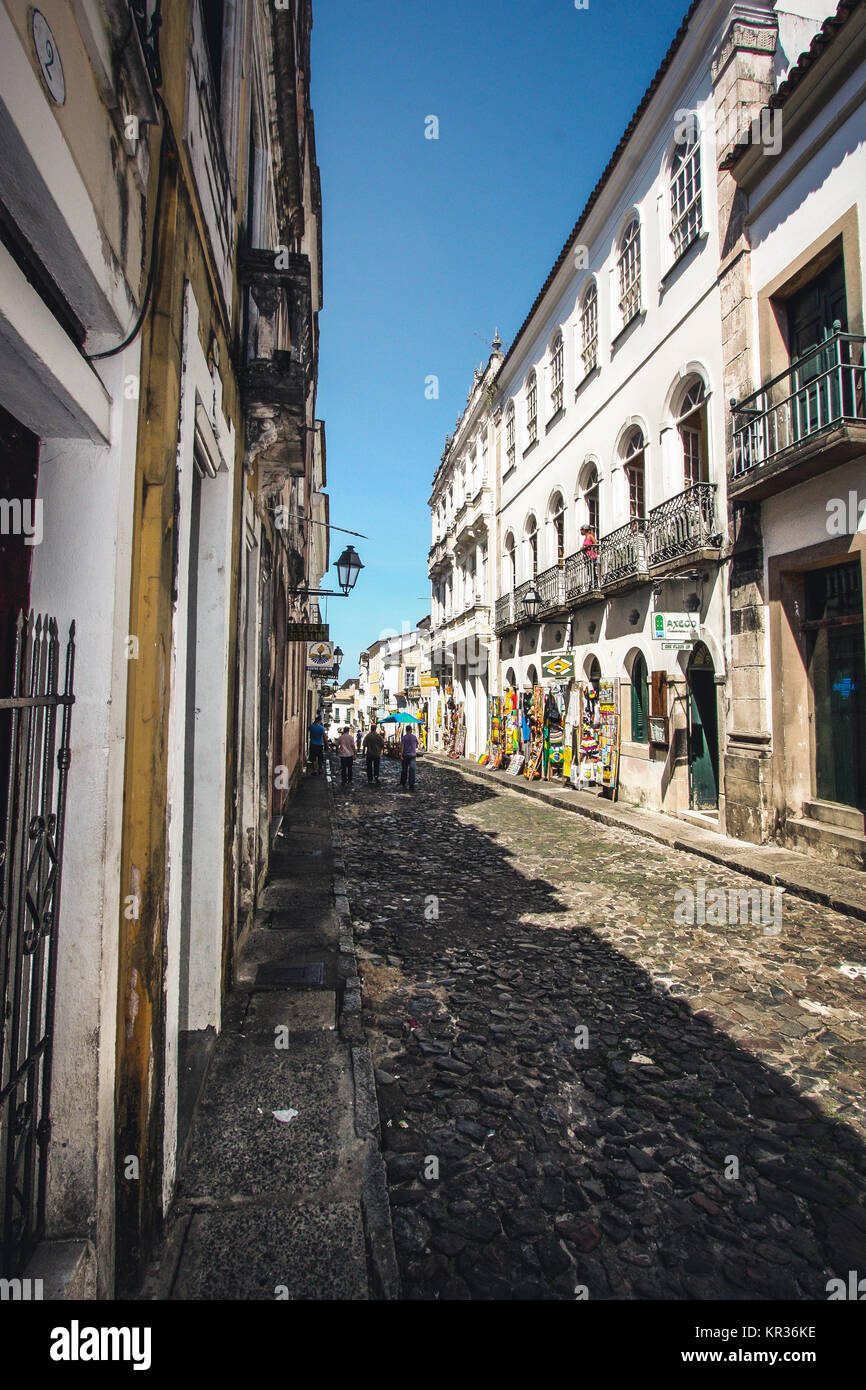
834	813
830	842
707	820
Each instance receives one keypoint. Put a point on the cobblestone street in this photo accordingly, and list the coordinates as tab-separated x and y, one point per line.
706	1143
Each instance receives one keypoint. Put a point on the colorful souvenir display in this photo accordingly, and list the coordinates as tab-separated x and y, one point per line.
597	737
535	756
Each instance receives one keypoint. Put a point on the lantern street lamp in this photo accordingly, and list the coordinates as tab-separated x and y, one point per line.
531	603
348	568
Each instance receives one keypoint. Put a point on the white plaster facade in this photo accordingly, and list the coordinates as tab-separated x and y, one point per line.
461	562
85	416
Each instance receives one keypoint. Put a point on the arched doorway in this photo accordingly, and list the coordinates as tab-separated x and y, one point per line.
703	731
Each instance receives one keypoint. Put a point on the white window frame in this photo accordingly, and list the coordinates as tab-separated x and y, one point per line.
685	203
589	327
629	270
531	408
557	372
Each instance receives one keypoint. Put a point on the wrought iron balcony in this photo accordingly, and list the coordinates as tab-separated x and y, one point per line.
581	577
622	555
277	361
683	526
509	608
809	418
551	588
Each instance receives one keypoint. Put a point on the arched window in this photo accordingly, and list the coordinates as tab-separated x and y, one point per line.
510	562
509	436
531	548
557	365
594	674
511	678
686	187
629	271
531	407
639	701
692	427
589	328
557	527
589	489
633	455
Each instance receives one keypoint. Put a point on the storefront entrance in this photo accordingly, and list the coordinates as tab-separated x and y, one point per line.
837	680
703	731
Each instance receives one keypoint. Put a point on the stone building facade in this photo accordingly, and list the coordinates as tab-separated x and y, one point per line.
791	280
160	281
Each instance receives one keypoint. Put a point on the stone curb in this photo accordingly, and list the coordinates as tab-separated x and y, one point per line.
742	861
375	1204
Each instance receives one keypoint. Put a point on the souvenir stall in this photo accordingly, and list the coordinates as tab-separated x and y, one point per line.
554	732
494	753
455	729
510	736
534	767
595	765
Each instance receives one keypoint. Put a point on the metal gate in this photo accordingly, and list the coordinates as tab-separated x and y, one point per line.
32	807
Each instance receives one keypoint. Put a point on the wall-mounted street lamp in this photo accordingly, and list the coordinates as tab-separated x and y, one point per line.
531	603
348	568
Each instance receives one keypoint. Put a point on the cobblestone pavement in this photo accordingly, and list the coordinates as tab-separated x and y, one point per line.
706	1143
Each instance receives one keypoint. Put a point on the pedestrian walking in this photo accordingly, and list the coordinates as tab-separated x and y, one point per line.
374	745
318	743
409	751
346	749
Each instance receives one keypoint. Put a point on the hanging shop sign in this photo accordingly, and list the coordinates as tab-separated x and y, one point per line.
320	656
306	632
429	682
559	667
676	631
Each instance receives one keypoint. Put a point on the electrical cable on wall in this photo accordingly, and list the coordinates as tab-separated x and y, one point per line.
151	272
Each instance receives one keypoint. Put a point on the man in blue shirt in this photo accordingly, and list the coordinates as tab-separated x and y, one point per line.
318	743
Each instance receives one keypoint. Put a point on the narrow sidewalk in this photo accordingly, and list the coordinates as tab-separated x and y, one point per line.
819	881
282	1192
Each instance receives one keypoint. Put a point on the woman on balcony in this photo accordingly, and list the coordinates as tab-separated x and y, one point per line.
589	550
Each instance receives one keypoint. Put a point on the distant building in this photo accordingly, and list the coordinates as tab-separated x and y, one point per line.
460	562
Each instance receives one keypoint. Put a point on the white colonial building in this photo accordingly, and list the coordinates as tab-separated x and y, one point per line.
792	287
610	414
460	563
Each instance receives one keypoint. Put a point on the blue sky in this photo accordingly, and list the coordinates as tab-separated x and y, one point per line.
428	243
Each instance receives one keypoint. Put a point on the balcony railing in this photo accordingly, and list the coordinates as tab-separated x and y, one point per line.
509	608
277	362
825	387
623	554
683	524
675	530
581	576
551	587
